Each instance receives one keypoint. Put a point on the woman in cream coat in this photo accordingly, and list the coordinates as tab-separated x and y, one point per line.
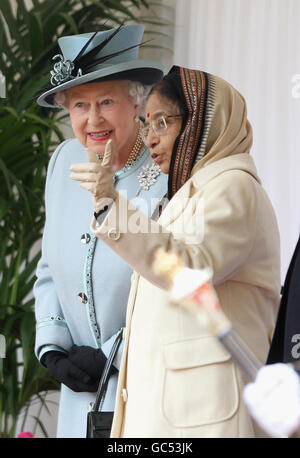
176	380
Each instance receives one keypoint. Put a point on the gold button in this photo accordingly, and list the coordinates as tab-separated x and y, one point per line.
113	234
124	394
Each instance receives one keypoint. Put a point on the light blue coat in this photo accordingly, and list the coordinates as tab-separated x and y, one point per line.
69	267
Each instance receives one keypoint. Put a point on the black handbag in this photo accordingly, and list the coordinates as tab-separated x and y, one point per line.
99	423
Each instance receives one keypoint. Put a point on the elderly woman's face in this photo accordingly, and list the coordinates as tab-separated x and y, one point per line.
164	126
100	111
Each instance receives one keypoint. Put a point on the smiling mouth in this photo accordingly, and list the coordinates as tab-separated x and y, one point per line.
100	135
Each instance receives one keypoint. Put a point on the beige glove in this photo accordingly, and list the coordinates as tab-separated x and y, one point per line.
97	177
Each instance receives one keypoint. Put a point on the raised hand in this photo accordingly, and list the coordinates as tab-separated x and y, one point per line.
97	177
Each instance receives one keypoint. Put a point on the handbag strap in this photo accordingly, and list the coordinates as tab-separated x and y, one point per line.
106	371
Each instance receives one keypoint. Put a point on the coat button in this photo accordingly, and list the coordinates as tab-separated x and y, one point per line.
82	297
85	238
113	234
124	394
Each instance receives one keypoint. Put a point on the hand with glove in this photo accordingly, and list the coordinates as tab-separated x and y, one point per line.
274	399
67	372
88	359
97	177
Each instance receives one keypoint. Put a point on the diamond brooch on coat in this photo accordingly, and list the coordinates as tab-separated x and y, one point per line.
148	176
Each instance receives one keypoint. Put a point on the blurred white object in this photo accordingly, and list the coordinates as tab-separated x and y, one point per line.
274	399
187	280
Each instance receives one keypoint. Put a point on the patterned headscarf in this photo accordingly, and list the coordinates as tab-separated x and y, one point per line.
214	126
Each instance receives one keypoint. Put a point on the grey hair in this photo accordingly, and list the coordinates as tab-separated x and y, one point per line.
137	93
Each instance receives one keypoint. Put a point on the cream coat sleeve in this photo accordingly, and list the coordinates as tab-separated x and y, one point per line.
211	227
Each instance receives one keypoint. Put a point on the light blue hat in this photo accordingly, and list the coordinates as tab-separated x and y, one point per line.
100	56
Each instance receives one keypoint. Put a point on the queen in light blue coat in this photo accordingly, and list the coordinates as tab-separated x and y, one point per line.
82	286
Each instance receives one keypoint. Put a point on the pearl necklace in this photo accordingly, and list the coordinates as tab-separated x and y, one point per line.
136	150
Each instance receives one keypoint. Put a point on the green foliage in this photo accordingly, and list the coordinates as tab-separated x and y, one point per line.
28	136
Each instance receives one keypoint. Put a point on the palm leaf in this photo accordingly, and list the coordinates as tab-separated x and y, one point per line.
41	425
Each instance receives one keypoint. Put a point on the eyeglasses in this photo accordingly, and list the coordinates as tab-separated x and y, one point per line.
159	125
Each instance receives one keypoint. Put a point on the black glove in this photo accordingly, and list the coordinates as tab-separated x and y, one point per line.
88	359
65	371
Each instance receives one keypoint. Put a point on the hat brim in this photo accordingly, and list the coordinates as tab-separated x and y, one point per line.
144	71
